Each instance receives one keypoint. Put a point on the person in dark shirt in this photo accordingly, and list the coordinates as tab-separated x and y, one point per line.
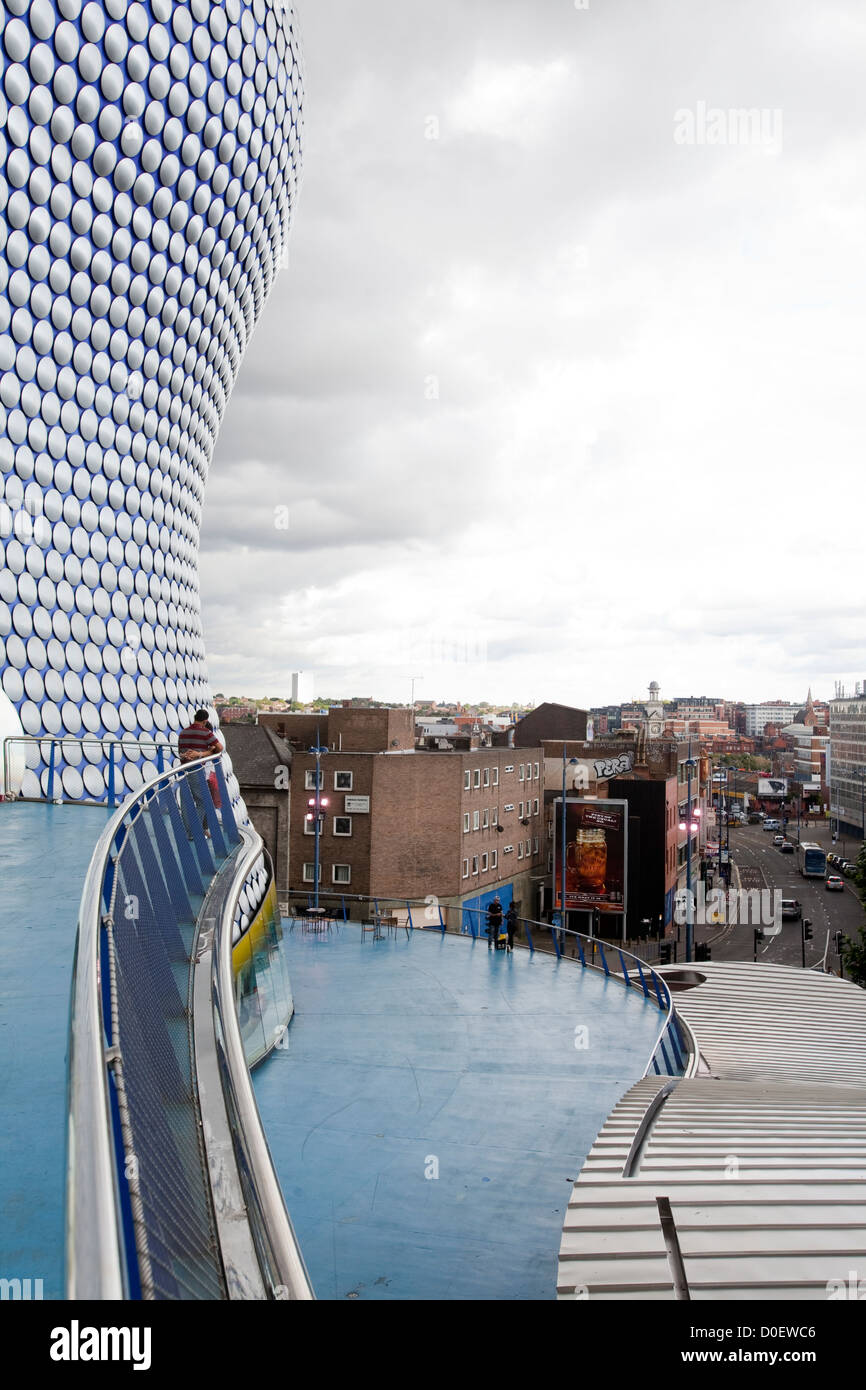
494	922
511	924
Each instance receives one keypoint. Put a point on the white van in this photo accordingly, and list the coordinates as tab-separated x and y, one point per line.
772	825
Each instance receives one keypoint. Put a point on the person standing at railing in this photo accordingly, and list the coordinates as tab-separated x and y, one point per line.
511	924
494	922
198	740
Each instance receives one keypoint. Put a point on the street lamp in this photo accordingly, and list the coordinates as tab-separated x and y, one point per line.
317	802
690	826
573	762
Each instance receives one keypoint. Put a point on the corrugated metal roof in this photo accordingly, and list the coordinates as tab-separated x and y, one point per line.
763	1161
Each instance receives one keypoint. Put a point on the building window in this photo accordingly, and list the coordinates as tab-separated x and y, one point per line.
520	773
487	776
494	858
309	873
310	779
341	873
475	863
528	849
485	818
536	772
465	822
510	806
496	777
494	815
476	819
509	849
310	823
476	777
535	845
520	850
342	781
535	807
520	810
465	868
484	863
342	825
467	782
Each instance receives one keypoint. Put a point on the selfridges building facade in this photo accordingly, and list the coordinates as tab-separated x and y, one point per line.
149	159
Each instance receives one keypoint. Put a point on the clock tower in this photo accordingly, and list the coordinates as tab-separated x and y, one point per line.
655	712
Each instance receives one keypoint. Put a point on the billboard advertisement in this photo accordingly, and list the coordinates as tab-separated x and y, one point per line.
772	786
595	855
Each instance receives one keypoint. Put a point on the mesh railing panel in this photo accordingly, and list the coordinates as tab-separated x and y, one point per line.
153	929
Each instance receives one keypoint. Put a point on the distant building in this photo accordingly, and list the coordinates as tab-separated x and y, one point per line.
779	712
846	775
302	687
550	721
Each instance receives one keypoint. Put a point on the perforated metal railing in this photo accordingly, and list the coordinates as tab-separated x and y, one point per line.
674	1052
166	1155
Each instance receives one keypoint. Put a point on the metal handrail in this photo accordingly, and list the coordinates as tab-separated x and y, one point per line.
96	1261
94	1267
108	742
273	1227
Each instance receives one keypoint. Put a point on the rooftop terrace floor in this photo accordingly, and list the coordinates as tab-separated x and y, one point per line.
433	1105
44	854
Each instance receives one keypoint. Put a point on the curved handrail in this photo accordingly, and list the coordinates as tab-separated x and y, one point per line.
272	1228
96	1263
94	1266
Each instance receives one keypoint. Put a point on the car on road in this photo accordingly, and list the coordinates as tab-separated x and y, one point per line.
786	847
834	884
850	868
791	910
778	839
832	858
770	824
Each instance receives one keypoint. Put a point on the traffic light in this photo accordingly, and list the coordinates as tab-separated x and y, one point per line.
840	936
807	929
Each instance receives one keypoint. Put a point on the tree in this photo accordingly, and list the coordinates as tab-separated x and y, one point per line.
854	951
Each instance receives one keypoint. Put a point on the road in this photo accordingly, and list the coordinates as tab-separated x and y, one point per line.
761	865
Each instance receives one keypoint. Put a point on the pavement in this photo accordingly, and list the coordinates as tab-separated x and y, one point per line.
757	864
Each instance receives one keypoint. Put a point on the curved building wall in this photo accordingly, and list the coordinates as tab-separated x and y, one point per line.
149	159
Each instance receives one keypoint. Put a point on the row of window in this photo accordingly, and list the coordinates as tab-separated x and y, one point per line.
342	780
480	820
481	776
342	825
525	850
340	873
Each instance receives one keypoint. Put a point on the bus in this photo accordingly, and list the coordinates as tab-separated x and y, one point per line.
811	860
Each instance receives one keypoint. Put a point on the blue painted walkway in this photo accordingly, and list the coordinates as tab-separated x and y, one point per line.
431	1110
44	854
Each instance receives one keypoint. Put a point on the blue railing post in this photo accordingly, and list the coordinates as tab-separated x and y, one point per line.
624	971
529	941
345	914
580	952
112	799
603	958
51	761
409	910
160	763
642	980
554	931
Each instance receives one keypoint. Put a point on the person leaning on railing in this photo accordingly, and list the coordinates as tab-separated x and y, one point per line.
198	740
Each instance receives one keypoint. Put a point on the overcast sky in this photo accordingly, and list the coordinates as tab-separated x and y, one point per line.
563	384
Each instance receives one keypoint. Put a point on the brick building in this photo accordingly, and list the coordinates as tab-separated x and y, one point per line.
400	823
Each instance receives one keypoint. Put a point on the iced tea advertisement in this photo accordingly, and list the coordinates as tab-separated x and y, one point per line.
595	856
